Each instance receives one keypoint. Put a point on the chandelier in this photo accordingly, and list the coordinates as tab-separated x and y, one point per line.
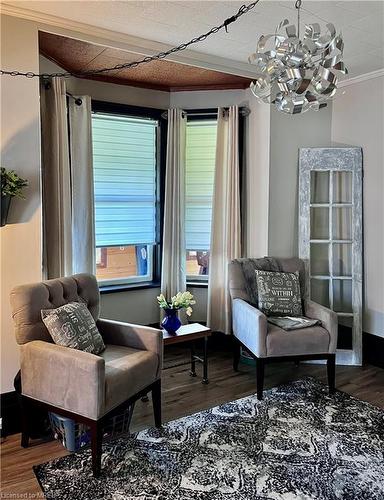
297	75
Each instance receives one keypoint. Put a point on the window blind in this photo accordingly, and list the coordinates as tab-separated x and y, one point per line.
124	163
200	172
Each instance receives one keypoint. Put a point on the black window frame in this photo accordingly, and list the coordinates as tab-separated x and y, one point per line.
161	151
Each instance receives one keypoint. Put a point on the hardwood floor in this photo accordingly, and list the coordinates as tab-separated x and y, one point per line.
185	395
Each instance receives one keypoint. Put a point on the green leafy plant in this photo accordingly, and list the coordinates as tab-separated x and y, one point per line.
11	184
182	300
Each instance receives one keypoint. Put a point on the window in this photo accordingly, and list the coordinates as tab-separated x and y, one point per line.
200	171
125	161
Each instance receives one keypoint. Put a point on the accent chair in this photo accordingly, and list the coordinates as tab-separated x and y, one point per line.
86	387
267	343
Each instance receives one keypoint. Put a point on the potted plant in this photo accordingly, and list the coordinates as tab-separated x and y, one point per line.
182	300
11	186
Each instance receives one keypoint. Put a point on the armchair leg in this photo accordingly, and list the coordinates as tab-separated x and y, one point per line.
24	423
331	361
236	354
156	401
96	443
260	377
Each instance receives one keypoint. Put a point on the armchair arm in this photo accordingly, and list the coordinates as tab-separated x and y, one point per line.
67	378
328	320
135	336
250	327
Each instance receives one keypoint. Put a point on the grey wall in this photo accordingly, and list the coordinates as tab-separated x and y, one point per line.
357	120
140	306
288	134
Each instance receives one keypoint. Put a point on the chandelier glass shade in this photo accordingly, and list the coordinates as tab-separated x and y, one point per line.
298	74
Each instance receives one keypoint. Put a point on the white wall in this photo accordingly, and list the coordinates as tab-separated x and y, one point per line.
288	134
357	120
20	150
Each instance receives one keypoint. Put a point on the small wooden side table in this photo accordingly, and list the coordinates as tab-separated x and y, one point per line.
191	333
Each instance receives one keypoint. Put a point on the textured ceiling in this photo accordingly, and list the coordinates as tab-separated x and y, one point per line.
75	55
361	23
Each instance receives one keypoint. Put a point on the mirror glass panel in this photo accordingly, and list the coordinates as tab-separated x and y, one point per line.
319	186
342	223
342	259
342	295
342	187
319	223
344	338
320	291
319	260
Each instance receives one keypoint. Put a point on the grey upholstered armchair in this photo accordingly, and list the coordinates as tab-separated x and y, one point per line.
86	387
268	343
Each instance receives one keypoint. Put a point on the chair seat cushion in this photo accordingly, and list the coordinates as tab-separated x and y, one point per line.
127	371
312	340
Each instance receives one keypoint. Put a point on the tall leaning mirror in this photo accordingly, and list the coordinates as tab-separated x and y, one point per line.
331	239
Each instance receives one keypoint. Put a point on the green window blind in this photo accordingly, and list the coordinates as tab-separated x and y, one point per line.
200	172
124	163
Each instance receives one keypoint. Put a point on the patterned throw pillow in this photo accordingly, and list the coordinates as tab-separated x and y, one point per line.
72	325
279	293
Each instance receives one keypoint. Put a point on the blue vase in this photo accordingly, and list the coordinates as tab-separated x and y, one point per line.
171	322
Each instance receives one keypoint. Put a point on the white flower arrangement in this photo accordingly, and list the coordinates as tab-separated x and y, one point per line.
182	300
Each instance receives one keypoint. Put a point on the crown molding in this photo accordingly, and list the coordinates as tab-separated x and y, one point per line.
141	46
361	78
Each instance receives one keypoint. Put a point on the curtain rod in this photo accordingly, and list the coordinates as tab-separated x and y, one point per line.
243	111
77	100
47	85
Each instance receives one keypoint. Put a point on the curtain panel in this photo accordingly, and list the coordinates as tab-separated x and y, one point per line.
226	225
56	180
173	272
83	211
67	178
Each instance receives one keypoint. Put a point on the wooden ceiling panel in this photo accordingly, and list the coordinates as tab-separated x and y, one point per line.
76	55
66	52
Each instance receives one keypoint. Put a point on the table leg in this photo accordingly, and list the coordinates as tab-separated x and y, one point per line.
205	362
193	361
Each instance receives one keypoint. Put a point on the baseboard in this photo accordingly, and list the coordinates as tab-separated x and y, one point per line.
373	350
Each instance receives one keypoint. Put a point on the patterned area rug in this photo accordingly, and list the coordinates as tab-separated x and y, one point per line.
298	443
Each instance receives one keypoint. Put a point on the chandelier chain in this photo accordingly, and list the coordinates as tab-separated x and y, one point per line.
244	9
298	7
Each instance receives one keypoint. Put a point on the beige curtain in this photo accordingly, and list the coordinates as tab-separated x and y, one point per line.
226	231
83	225
56	180
173	275
67	177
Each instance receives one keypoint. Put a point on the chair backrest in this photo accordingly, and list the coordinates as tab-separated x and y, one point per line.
27	301
237	286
